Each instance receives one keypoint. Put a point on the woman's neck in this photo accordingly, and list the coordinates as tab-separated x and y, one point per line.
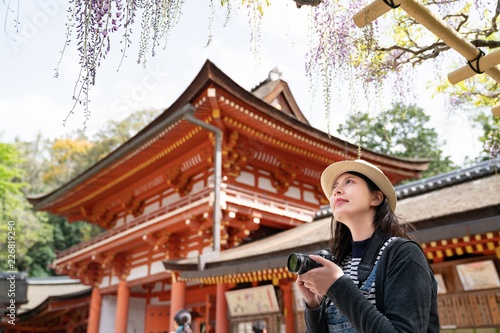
361	229
361	235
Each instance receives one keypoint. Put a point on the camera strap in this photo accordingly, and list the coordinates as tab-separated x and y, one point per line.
370	256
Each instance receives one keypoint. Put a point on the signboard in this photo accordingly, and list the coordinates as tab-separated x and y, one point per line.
478	275
252	301
441	285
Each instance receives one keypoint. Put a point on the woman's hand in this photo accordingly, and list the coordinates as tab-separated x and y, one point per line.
312	300
318	280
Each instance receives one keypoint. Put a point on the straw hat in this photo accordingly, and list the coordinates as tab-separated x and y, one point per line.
333	171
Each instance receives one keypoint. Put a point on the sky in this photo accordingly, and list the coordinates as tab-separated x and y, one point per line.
33	101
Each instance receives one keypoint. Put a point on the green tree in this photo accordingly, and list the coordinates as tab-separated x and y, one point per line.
490	137
400	131
76	153
35	163
14	208
115	133
38	246
9	173
68	159
47	165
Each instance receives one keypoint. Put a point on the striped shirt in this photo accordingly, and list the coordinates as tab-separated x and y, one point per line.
350	267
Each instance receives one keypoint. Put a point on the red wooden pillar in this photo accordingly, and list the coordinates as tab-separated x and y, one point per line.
94	311
178	300
122	302
221	323
288	307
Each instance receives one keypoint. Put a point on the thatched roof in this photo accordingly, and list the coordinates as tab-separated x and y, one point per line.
479	193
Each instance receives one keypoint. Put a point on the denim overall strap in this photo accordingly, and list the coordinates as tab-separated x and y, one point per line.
337	323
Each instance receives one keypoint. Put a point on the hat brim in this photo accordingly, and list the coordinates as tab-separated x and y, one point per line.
333	171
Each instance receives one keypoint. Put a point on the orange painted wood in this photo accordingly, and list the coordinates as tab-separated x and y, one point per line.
122	302
157	318
94	311
210	314
178	300
288	307
222	323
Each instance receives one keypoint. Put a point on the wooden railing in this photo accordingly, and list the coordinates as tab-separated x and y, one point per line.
246	197
267	201
471	309
147	217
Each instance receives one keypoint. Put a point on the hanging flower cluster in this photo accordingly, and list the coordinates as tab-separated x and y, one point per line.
340	52
365	61
255	12
492	144
94	21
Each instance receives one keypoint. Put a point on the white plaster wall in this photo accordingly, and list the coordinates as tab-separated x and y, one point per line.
198	186
119	222
157	287
309	197
156	301
108	312
170	199
105	282
265	184
138	272
114	280
157	267
293	192
136	314
151	208
246	178
193	254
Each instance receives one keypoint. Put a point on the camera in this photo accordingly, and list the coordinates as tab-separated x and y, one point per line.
299	263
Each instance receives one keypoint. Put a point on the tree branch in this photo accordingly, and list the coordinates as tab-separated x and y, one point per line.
492	44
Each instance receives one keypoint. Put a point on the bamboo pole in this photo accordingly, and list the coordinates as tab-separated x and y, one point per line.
484	63
425	17
370	13
496	111
434	24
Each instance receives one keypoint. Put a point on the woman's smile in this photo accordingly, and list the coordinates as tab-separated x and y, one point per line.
339	201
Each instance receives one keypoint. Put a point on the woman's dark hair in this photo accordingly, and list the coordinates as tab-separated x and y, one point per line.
259	326
385	220
183	318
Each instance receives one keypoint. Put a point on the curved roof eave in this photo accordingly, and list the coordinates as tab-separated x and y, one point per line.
211	74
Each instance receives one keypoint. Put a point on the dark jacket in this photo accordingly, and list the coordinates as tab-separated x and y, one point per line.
405	292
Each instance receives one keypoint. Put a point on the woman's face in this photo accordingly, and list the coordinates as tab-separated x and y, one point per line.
351	198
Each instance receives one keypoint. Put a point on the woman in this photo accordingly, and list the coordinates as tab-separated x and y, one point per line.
382	282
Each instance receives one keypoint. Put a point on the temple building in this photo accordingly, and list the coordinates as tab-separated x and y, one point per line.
200	207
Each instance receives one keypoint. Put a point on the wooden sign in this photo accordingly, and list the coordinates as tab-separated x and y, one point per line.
252	301
441	285
478	275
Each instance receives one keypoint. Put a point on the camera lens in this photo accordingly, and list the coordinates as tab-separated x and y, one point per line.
294	262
